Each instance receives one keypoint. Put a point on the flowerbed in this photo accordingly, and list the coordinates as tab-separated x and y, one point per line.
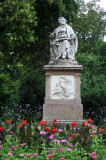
51	141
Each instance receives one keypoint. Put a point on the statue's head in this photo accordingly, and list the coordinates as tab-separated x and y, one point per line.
62	20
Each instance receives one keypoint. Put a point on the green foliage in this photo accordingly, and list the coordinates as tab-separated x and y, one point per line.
22	133
31	90
24	43
103	57
8	89
93	87
84	136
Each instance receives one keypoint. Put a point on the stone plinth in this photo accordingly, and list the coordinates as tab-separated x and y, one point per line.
62	99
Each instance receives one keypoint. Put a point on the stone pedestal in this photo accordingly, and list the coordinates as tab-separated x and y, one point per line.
62	99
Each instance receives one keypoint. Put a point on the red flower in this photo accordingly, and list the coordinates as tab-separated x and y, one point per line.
8	121
24	122
54	124
53	130
101	130
89	120
90	127
54	120
72	136
20	125
44	123
91	135
74	124
2	128
47	129
83	124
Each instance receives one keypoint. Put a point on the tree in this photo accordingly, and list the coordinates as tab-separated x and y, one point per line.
17	22
24	41
90	26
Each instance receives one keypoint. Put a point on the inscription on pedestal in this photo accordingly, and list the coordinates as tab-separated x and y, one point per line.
62	86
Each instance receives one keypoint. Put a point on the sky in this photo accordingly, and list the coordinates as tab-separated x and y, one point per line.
102	4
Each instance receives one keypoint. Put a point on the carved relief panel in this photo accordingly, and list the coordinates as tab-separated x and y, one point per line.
62	86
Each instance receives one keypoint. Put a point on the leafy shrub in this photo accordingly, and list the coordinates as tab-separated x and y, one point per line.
93	86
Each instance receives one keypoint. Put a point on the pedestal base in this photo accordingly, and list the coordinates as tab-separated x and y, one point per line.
62	100
63	110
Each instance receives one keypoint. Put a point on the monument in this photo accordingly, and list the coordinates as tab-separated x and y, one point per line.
62	93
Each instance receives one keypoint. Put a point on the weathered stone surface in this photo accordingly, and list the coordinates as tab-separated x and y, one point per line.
63	42
62	87
65	108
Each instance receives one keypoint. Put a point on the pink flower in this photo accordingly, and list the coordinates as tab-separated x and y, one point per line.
51	151
16	147
93	154
0	147
71	145
10	154
51	136
95	157
35	154
12	147
94	126
62	158
56	140
63	141
21	154
69	149
59	149
49	156
11	132
76	144
94	131
6	159
42	132
62	151
27	155
60	130
22	144
0	141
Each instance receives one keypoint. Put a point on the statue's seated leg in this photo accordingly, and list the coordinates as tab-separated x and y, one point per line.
64	55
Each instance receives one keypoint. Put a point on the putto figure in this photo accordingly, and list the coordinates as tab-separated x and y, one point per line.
63	42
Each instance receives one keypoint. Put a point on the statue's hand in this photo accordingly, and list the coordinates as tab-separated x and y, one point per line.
72	36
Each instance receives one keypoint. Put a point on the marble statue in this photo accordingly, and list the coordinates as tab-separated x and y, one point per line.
63	42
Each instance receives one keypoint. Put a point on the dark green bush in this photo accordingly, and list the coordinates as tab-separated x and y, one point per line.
32	88
93	86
